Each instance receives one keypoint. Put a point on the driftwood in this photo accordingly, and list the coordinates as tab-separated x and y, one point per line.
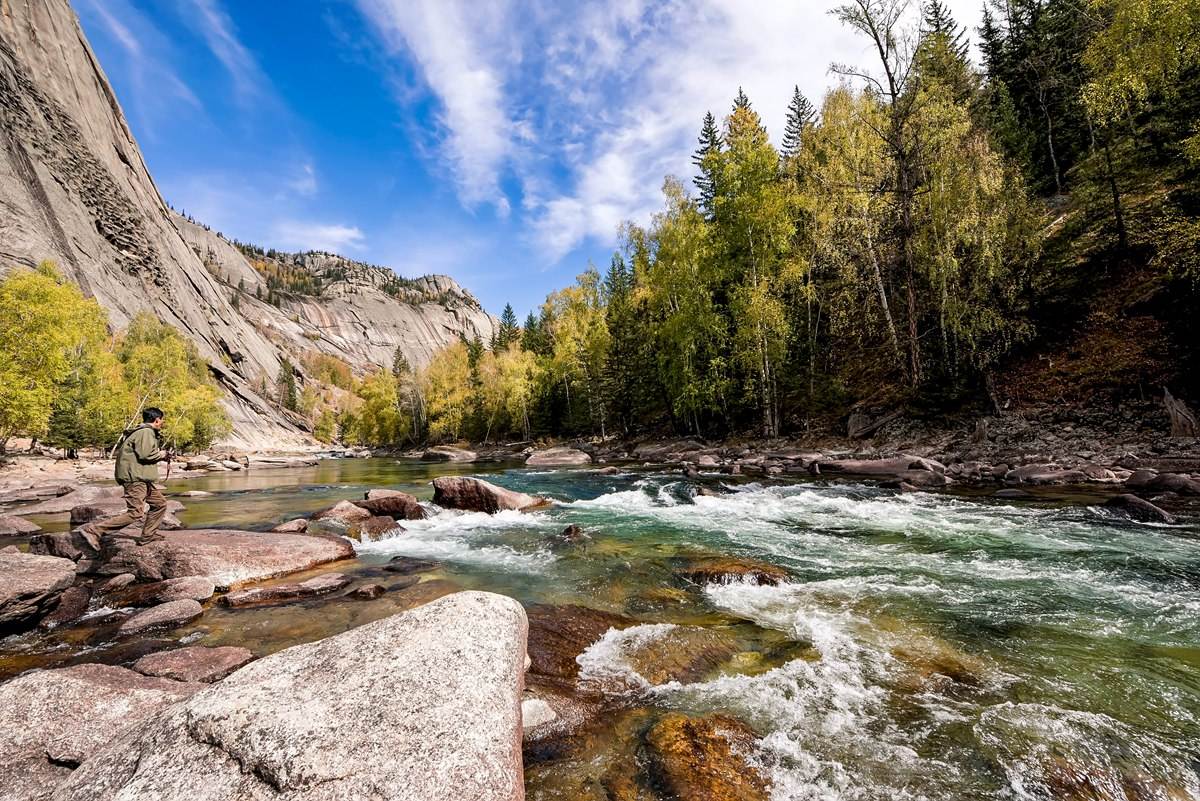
1183	419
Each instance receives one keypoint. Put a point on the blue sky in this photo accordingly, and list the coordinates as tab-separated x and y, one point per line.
498	141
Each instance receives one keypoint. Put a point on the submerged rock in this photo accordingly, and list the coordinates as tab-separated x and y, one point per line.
399	505
228	557
448	453
703	759
559	634
53	720
683	653
406	565
195	663
286	593
438	718
368	592
727	569
30	586
1139	509
477	495
164	616
558	457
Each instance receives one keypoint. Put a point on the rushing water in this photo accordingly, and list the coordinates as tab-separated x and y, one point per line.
926	646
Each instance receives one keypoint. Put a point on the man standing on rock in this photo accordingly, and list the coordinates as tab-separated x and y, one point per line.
138	455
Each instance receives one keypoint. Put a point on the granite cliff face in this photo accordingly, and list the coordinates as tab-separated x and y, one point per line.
75	189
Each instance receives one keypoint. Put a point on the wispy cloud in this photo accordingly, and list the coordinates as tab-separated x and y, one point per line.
302	235
215	25
304	181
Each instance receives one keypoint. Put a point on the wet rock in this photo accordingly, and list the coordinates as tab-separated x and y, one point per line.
36	493
399	505
228	557
1044	474
406	565
702	759
368	592
571	535
558	457
164	616
343	512
422	592
195	663
64	544
297	526
609	471
72	605
117	582
30	586
536	712
1163	482
433	712
683	653
1139	509
13	526
448	453
196	588
558	634
286	593
1012	493
477	495
377	527
933	660
53	720
728	569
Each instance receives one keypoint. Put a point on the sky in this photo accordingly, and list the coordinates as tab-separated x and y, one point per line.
501	142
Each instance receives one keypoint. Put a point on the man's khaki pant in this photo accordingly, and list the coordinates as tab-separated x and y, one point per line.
137	495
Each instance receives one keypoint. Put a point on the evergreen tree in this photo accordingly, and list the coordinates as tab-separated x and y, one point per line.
509	331
710	146
741	101
285	386
800	116
937	20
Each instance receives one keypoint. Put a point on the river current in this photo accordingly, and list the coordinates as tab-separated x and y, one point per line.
924	646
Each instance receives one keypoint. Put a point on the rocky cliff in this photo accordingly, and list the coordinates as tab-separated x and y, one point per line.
75	189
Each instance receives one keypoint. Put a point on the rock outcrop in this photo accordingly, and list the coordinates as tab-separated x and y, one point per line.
75	189
30	585
438	718
477	495
53	720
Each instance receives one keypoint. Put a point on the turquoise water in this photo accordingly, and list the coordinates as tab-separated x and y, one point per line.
944	647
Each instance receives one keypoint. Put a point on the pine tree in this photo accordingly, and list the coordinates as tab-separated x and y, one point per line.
286	386
741	101
710	145
936	19
800	115
509	331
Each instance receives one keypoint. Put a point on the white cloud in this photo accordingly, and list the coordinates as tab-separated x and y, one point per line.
299	235
219	34
304	182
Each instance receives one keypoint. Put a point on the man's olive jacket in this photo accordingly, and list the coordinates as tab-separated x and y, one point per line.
139	455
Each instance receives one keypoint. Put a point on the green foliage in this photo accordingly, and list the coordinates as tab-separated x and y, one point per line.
285	387
509	330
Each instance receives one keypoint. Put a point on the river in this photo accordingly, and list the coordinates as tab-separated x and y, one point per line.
925	646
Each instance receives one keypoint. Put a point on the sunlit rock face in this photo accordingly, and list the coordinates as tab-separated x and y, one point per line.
75	190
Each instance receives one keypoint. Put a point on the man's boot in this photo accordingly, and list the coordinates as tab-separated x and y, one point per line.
146	539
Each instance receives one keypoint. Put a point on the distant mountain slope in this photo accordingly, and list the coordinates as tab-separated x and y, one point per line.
75	189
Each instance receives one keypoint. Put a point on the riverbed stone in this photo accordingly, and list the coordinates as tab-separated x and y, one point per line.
399	505
1149	481
14	526
85	495
728	569
53	720
684	654
368	592
433	711
1139	509
72	605
558	457
286	593
343	512
169	615
560	633
297	526
703	759
195	663
197	588
30	585
376	527
477	495
228	557
448	453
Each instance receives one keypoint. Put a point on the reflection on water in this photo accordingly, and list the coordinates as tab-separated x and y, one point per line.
925	646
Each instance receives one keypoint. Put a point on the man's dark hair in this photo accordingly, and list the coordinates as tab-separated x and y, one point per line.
151	413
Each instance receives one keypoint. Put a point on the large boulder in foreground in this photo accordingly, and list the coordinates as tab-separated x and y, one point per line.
29	587
420	706
229	558
477	495
558	457
52	720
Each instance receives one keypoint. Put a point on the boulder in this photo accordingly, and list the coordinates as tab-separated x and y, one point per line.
448	453
164	616
681	653
286	593
399	505
915	470
1138	509
195	663
377	528
1045	474
343	512
64	544
477	495
30	585
196	588
437	718
559	634
1163	482
297	526
704	759
53	720
228	557
83	496
13	526
368	592
571	535
72	605
728	569
407	565
558	457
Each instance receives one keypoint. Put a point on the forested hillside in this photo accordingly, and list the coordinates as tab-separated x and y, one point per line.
932	236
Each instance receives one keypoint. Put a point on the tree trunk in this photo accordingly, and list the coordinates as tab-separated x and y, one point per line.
1118	211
